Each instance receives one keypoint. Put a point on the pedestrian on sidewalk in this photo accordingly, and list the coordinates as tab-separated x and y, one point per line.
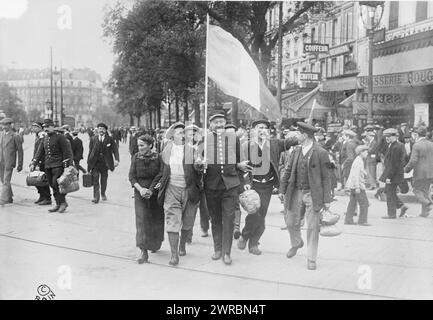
179	192
306	188
393	173
144	175
56	152
263	154
103	156
77	151
356	184
421	161
44	192
347	154
11	148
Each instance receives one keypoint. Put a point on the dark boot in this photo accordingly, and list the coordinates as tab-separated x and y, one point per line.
39	200
183	238
144	258
56	208
173	238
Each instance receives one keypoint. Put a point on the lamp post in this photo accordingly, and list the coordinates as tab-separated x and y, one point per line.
371	14
49	112
55	111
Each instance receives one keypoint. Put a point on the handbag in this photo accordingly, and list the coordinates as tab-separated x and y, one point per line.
329	218
330	231
68	181
87	180
69	187
404	187
37	179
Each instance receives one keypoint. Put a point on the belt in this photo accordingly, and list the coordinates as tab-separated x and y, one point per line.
304	190
263	180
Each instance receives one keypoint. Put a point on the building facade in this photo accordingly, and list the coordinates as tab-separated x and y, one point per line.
402	64
82	92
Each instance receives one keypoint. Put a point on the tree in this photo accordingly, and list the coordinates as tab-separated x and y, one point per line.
246	21
11	104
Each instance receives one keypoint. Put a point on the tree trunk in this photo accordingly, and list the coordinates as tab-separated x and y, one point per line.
235	119
196	106
150	119
177	108
138	121
158	113
169	114
185	110
131	120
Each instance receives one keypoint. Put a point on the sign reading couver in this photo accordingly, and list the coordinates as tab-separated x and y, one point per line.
411	78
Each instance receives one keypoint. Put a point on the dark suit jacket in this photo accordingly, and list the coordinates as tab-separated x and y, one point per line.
274	148
394	163
319	177
13	146
77	149
192	176
55	151
108	148
421	160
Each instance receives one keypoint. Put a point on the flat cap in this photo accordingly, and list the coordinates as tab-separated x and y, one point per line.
178	125
6	121
216	115
360	148
305	127
48	123
403	124
368	127
390	132
37	124
370	133
264	121
349	133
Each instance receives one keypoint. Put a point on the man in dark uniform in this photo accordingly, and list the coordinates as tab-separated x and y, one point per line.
102	149
393	173
306	190
221	184
133	146
44	192
263	153
77	151
57	152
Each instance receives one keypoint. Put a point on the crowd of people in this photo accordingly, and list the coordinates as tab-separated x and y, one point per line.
182	170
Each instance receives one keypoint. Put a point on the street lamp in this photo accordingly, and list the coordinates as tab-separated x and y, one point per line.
49	112
371	14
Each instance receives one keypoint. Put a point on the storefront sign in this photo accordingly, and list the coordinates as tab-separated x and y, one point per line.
315	48
309	76
421	113
412	78
339	50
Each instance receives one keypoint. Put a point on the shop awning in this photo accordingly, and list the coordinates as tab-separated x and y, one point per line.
348	102
339	84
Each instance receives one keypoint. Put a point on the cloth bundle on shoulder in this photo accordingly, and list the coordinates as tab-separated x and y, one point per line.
37	179
328	227
68	181
250	201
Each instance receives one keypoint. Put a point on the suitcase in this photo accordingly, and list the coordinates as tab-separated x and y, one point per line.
37	179
87	180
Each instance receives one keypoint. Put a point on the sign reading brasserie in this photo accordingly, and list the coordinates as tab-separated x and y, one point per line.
310	76
315	48
411	78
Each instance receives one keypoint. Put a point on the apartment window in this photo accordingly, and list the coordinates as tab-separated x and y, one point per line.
295	75
349	35
324	34
319	34
313	35
334	30
311	67
334	70
288	43
393	14
421	10
295	53
323	68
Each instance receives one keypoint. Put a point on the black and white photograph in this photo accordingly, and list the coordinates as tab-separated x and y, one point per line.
218	154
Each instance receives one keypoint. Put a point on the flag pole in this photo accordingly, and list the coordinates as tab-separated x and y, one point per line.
206	92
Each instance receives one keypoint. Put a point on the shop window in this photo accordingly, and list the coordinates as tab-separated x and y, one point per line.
393	14
334	70
421	10
313	35
323	68
311	67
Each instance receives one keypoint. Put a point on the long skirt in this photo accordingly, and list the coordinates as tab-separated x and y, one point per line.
149	219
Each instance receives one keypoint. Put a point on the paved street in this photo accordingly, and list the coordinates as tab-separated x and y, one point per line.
93	246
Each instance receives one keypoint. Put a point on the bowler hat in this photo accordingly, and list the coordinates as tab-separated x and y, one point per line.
230	126
48	123
264	121
103	125
192	127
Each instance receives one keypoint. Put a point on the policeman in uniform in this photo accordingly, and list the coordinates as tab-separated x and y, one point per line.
263	153
57	152
221	184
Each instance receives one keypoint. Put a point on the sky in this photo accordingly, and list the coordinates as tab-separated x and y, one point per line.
72	27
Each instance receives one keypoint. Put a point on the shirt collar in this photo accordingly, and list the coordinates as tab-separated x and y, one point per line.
306	148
